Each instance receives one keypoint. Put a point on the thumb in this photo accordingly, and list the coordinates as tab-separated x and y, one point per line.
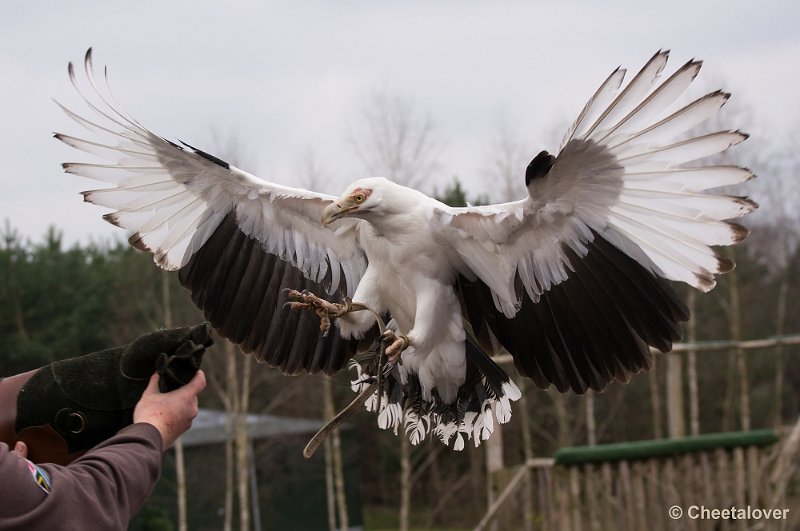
152	385
197	383
21	448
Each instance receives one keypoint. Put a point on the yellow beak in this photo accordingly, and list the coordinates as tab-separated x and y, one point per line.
335	211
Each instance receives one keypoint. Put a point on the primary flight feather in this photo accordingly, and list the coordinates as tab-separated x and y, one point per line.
570	280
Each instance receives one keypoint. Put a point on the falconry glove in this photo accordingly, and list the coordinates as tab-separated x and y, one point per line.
65	408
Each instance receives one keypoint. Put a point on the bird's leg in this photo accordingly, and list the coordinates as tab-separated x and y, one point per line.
395	345
325	310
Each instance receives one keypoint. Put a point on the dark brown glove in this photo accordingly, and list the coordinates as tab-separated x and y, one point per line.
65	408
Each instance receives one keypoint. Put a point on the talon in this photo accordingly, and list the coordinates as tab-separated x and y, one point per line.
396	344
325	310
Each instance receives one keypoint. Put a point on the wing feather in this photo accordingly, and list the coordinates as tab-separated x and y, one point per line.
571	279
236	240
596	105
607	184
631	95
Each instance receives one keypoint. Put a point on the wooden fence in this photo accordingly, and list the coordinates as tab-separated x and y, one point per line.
655	488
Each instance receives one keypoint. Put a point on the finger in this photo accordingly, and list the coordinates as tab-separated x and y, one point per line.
197	383
21	448
152	385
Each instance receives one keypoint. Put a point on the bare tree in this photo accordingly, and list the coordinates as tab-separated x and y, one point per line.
780	236
507	160
335	468
737	385
180	464
312	176
392	139
235	386
694	395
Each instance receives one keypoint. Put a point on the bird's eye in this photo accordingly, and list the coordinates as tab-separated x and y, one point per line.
359	198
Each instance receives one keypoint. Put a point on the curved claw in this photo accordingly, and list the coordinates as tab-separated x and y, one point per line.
325	310
396	344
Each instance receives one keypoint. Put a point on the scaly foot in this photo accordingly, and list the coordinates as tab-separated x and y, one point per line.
325	310
395	345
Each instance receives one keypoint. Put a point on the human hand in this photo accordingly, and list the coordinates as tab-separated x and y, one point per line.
171	413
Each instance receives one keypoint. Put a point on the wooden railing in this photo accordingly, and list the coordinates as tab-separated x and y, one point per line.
656	485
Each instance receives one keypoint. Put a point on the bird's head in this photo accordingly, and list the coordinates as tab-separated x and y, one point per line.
358	200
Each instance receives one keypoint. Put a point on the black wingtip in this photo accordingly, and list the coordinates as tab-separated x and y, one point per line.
747	202
539	167
660	52
112	218
216	160
724	263
135	241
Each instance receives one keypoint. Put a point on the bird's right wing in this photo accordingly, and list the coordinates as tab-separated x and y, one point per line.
571	279
237	241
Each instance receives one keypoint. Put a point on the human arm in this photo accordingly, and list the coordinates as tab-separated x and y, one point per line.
107	486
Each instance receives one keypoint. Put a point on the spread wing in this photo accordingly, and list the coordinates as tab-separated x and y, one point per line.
237	241
570	280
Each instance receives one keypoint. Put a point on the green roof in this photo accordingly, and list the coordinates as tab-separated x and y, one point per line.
637	450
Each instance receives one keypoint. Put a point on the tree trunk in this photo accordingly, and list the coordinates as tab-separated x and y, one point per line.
676	421
337	465
494	467
591	423
405	481
242	442
730	392
741	360
655	403
255	510
180	467
180	477
435	489
691	358
231	403
330	489
780	322
563	437
229	460
338	476
527	452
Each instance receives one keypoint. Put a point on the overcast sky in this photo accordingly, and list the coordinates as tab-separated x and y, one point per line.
288	77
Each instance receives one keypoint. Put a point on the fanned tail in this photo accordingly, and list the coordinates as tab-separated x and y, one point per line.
485	396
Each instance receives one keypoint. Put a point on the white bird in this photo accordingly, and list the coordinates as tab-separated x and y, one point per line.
569	280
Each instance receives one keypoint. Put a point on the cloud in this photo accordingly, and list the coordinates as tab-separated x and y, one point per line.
288	76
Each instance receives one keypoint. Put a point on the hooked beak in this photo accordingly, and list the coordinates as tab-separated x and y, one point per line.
335	211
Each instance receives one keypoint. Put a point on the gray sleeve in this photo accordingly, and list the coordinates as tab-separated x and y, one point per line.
102	490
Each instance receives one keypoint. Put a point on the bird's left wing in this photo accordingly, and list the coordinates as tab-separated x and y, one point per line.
237	241
570	279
